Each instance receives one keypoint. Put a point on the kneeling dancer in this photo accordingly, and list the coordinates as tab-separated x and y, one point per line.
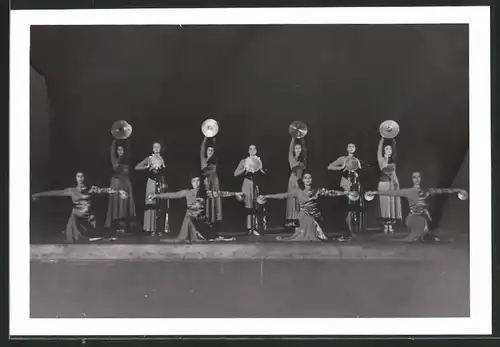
418	217
82	222
196	225
309	216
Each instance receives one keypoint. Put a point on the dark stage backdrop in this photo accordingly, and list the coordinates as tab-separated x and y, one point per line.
342	80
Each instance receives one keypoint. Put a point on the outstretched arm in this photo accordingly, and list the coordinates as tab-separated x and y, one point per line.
143	165
400	192
281	196
240	169
438	191
326	192
65	192
175	195
222	194
98	190
337	165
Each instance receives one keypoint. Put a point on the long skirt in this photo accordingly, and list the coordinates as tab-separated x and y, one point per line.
417	228
292	204
80	227
213	206
193	230
120	210
256	219
154	209
390	206
308	230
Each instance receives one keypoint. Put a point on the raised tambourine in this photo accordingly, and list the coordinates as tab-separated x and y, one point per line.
210	128
253	164
297	129
389	129
121	130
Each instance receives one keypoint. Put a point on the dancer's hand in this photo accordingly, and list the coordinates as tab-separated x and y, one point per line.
261	199
164	186
34	197
123	194
240	196
151	197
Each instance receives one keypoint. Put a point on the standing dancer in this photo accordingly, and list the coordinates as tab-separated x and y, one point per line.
310	217
82	222
251	169
155	212
350	167
297	159
208	160
418	217
390	206
196	225
120	211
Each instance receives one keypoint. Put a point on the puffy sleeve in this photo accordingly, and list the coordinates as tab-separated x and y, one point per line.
439	191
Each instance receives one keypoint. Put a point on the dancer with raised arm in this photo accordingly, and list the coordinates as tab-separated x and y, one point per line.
297	159
350	167
208	160
251	169
196	225
310	217
155	212
82	222
121	212
418	217
390	206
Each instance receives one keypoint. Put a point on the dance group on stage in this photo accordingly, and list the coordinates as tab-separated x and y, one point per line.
204	198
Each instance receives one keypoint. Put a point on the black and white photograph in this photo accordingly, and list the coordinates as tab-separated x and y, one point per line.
185	168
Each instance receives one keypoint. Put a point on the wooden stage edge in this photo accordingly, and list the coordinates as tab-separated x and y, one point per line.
229	251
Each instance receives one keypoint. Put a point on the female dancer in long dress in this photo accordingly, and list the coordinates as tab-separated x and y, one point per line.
155	212
196	225
82	222
350	167
297	158
418	217
208	160
310	218
390	206
255	215
120	212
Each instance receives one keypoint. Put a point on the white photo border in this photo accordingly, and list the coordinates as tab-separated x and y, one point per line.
480	321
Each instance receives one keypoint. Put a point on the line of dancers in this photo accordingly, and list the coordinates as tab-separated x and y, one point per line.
204	198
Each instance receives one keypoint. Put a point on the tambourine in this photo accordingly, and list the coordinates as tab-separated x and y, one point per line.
389	129
369	196
353	196
463	195
261	200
